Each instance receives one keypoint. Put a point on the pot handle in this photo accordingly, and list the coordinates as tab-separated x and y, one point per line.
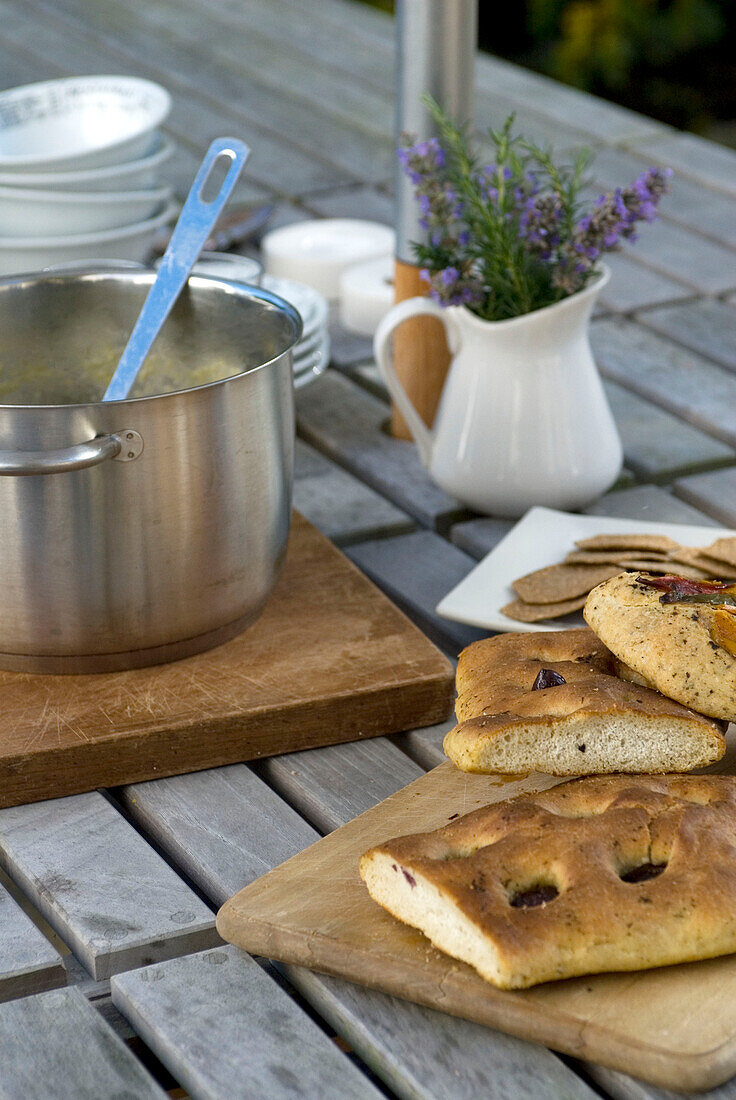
411	307
124	446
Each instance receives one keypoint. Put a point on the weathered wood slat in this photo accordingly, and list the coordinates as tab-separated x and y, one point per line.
56	1045
714	493
479	536
687	257
366	46
707	326
222	836
238	43
97	882
676	379
223	827
607	121
183	55
373	67
368	376
224	1029
417	571
347	348
658	444
635	286
28	962
353	202
345	423
342	507
708	212
425	746
697	158
651	503
328	787
464	1062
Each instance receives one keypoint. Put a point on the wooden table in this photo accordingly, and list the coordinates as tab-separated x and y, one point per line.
115	985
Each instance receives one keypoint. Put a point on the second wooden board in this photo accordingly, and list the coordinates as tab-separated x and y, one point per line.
330	659
674	1026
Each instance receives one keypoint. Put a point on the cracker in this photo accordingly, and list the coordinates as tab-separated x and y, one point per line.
609	557
723	550
558	583
691	555
536	612
628	542
719	570
646	565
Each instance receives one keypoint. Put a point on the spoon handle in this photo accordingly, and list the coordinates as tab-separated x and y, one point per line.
194	226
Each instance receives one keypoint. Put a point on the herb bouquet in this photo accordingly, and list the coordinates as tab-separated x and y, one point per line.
514	247
510	237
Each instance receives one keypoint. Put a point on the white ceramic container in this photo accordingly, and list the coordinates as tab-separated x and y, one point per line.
523	418
133	242
79	122
134	175
366	295
317	252
25	212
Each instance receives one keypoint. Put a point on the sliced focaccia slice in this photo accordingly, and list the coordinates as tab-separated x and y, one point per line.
676	634
604	873
552	703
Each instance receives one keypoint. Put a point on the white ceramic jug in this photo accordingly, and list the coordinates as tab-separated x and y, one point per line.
523	418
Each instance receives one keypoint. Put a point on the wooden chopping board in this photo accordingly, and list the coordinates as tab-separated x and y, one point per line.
674	1026
330	659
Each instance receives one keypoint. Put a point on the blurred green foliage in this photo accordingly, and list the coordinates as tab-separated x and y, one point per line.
674	59
589	41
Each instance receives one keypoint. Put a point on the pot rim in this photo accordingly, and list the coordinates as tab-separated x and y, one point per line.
230	286
603	274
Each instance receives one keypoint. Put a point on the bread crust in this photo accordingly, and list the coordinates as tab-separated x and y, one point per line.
496	704
670	645
460	884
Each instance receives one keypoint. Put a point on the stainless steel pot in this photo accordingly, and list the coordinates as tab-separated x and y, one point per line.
144	530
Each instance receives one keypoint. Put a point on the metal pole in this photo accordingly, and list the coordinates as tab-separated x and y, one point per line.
436	44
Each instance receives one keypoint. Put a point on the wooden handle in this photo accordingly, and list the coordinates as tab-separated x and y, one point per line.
421	355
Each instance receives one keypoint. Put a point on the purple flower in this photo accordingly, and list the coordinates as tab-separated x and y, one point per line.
539	222
453	286
519	218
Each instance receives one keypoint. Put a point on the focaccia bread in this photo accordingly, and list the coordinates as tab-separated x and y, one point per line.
669	637
597	874
552	703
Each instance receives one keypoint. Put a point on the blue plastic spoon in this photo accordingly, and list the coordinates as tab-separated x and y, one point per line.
194	226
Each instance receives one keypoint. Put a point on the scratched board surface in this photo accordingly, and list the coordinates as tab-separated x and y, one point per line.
331	659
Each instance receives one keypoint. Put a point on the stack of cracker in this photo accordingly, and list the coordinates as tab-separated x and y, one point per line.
563	588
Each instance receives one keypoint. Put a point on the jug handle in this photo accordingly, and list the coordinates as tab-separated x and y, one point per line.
411	307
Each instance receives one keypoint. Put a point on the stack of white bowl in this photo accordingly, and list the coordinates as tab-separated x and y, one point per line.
79	171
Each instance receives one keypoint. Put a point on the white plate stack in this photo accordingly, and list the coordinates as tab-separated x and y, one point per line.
79	171
312	353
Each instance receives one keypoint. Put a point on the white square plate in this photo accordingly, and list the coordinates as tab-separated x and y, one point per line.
544	537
